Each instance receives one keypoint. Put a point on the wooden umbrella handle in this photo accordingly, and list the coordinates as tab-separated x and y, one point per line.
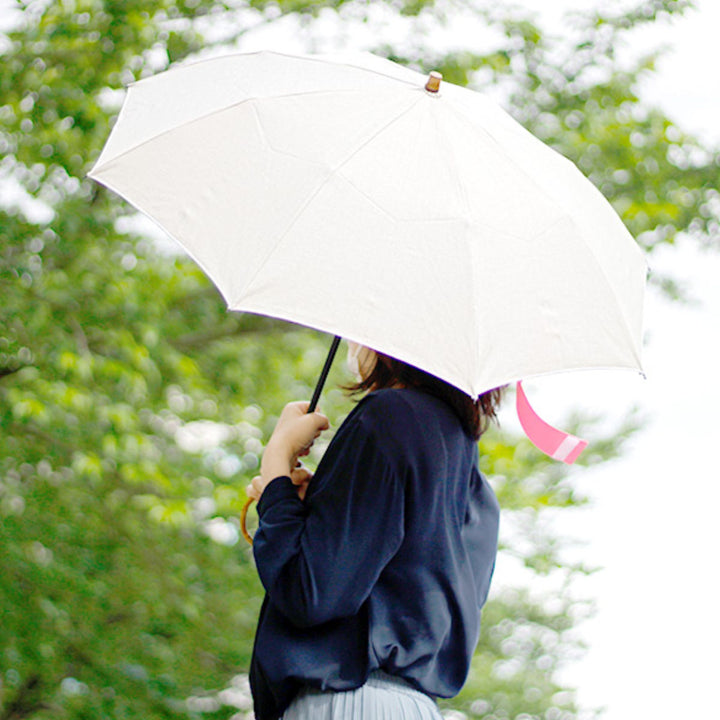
243	520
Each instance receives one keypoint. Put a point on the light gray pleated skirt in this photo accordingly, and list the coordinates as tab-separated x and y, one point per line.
382	697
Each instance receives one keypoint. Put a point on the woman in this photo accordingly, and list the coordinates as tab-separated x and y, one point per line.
375	572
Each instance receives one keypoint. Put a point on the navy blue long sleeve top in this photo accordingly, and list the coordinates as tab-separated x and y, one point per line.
385	564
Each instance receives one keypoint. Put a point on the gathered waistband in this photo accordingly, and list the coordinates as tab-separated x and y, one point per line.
382	697
382	680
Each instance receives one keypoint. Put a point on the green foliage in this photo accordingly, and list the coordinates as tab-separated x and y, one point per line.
134	408
526	639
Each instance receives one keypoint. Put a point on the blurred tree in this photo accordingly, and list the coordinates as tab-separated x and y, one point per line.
130	400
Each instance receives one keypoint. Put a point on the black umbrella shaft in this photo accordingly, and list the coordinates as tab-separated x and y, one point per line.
323	375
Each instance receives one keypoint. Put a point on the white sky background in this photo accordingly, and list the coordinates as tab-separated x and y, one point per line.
654	522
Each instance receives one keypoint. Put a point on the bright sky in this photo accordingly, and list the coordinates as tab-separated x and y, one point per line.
654	522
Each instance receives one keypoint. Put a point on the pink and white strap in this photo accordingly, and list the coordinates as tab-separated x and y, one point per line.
557	444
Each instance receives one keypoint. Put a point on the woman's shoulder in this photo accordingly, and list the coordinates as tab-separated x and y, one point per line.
403	400
401	411
392	400
410	428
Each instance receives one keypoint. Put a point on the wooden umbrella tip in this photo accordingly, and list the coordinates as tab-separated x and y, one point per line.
433	83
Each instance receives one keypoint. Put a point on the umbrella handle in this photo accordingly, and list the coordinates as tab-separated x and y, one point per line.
313	404
243	520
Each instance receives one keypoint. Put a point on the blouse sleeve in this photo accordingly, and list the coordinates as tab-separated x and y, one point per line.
319	559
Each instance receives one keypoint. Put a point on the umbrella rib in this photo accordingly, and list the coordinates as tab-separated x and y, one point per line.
603	274
564	213
333	173
450	150
328	59
485	133
322	60
216	111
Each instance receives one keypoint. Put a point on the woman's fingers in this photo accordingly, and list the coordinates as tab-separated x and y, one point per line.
255	489
294	434
301	478
300	475
296	430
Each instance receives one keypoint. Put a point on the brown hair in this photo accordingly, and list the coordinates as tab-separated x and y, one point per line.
475	415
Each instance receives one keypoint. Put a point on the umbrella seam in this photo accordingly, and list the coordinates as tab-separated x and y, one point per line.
449	149
217	111
322	59
565	214
603	274
483	131
332	174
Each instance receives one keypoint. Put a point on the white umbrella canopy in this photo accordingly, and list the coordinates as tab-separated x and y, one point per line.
339	193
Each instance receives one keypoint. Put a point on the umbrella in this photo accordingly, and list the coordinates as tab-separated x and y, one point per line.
422	220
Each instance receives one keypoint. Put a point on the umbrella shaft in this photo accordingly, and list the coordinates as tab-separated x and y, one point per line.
323	375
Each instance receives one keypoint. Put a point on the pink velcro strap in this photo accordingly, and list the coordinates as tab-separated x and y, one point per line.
557	444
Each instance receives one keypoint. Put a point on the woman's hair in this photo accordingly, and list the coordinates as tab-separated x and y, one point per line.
474	414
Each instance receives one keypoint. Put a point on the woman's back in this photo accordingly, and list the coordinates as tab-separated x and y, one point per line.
386	563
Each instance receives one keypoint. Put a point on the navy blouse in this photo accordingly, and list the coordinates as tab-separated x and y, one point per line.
384	565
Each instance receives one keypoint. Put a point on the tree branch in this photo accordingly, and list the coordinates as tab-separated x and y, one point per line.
4	372
22	704
261	328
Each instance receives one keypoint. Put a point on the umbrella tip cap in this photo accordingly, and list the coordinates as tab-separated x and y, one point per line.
433	83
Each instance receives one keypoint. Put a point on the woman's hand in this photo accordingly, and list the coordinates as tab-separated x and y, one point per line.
294	434
300	477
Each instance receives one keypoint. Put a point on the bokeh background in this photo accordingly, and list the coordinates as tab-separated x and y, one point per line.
134	408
